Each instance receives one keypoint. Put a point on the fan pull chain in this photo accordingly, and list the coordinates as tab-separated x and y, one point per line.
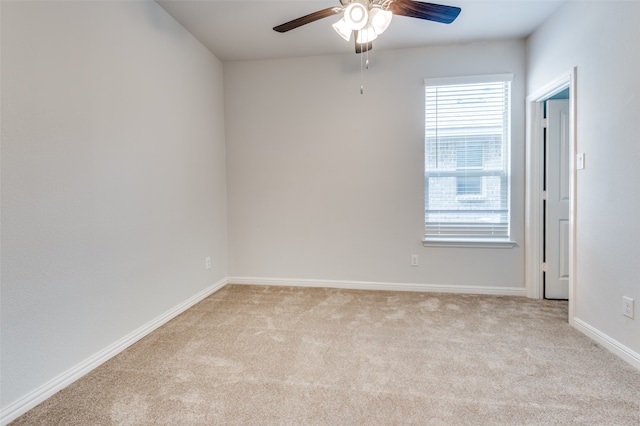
364	65
367	61
361	74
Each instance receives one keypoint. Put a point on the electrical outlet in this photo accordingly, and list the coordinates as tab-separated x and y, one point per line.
414	260
207	262
627	307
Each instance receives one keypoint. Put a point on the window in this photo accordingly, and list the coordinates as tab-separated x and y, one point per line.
467	138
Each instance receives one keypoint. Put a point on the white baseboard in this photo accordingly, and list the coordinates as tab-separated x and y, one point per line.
34	398
368	285
612	345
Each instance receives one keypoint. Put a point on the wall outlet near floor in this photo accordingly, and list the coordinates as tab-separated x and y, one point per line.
207	262
627	307
414	260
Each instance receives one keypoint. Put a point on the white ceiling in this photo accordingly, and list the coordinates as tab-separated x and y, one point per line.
236	30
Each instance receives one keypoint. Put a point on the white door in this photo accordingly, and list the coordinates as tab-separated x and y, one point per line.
556	282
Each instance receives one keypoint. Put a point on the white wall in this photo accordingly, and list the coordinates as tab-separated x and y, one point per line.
327	184
601	39
113	179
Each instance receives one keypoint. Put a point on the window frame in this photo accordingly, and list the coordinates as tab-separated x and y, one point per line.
472	242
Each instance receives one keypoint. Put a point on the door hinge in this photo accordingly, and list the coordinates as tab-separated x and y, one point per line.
544	195
543	267
545	123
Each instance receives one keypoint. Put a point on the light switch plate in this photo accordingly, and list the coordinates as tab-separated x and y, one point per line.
580	161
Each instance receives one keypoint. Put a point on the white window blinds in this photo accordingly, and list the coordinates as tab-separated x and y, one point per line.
467	138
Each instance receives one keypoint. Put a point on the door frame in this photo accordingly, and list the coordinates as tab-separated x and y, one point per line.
534	185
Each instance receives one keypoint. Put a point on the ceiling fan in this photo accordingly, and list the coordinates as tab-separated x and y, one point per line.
369	18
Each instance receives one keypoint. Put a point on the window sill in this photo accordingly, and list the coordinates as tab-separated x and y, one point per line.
469	243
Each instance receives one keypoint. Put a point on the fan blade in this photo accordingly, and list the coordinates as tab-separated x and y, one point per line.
363	47
324	13
422	10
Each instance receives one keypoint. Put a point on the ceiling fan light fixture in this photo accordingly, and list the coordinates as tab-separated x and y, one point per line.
343	29
380	19
356	16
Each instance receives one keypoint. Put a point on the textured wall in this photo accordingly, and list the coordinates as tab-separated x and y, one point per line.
601	39
113	179
327	184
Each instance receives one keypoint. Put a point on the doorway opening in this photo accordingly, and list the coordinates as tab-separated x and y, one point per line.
550	235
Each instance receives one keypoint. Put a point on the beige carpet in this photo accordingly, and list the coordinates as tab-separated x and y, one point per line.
304	356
